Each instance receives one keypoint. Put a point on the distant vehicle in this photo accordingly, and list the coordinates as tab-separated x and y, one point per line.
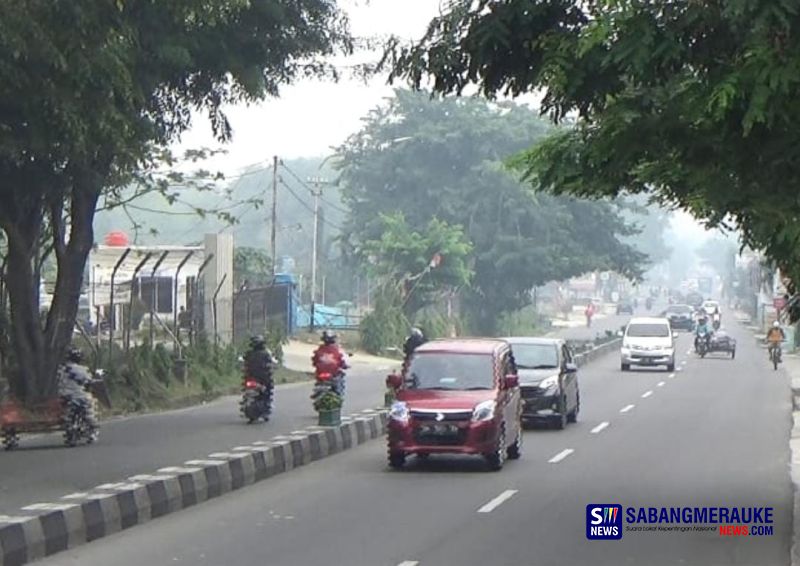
458	396
548	380
648	342
694	299
710	307
625	306
680	317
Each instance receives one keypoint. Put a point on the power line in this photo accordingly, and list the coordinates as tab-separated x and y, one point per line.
307	207
299	180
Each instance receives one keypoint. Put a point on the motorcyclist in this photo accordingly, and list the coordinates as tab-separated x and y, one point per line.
703	329
73	377
415	339
259	362
330	358
775	336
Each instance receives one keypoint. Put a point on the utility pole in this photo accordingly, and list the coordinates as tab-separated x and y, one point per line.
316	192
273	238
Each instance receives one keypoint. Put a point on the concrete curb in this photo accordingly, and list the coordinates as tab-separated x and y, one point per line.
47	528
594	353
794	465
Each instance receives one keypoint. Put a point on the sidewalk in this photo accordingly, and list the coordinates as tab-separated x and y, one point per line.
297	357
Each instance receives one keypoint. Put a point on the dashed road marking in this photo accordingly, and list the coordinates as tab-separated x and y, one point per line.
646	394
497	501
408	563
560	456
626	409
661	384
671	376
600	427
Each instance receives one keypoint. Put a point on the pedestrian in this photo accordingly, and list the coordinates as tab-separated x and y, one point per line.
589	312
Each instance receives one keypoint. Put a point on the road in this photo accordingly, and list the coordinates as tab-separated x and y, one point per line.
42	469
713	433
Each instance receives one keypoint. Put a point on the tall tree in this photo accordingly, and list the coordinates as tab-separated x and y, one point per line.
692	102
444	158
92	92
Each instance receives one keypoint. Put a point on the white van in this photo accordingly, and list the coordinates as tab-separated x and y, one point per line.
648	342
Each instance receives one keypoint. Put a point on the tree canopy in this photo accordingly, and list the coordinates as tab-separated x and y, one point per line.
692	102
444	159
92	94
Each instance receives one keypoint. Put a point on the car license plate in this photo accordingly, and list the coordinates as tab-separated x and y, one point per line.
440	429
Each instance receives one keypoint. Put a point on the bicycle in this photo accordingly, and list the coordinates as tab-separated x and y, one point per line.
775	355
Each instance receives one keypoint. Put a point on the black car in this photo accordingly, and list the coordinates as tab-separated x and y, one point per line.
722	342
681	317
548	380
625	306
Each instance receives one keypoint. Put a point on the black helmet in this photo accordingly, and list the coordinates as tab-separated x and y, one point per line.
74	356
258	342
417	334
328	337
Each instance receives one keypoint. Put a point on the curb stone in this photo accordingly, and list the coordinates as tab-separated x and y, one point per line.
44	529
794	453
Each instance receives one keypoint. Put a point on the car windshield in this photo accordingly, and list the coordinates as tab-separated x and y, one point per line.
458	372
648	330
535	356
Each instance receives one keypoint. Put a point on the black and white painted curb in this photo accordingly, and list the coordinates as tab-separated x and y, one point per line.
596	352
46	528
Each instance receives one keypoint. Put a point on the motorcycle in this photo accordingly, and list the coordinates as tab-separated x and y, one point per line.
702	344
256	401
68	415
648	303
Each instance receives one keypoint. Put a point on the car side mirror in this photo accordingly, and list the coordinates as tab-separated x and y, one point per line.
394	381
511	381
570	367
674	335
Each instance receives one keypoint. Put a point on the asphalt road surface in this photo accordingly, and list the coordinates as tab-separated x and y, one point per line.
713	433
43	470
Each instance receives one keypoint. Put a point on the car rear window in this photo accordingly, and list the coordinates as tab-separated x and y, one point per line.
648	330
457	372
535	356
680	310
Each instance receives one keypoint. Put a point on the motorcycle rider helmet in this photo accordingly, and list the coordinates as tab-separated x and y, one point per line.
328	337
776	324
257	343
416	334
74	355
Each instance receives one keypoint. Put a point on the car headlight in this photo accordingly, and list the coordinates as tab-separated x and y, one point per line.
549	383
399	412
483	411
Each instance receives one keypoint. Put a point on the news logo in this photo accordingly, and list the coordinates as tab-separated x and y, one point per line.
603	522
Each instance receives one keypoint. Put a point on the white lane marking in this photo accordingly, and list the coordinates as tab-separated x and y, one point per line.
626	409
689	352
646	394
408	563
683	363
600	427
661	384
672	376
497	501
560	456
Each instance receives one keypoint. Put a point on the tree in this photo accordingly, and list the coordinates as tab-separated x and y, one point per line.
444	158
251	267
92	93
402	257
691	102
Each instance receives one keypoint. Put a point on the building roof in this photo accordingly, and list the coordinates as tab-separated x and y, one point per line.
463	345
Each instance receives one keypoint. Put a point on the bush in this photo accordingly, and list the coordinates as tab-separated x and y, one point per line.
384	327
328	401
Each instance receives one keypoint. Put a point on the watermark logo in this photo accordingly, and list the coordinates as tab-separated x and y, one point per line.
603	521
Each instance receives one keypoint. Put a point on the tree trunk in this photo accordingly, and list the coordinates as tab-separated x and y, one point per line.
39	350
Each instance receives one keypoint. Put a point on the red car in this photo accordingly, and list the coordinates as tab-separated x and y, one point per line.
457	396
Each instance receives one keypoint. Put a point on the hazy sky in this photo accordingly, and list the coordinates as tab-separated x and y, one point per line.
312	116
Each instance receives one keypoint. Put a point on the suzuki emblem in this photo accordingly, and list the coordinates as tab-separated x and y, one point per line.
439	417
